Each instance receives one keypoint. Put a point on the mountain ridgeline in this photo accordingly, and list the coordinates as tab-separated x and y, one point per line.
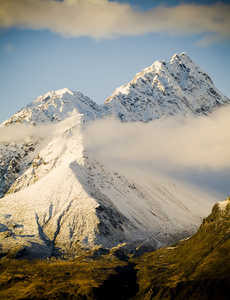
178	87
57	200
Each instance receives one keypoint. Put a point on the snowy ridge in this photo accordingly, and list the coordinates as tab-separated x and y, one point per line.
56	106
178	87
59	200
51	108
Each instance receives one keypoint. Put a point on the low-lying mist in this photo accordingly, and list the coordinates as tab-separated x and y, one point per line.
193	149
17	131
196	149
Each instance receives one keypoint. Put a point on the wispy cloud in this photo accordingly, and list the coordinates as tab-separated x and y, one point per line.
105	19
22	131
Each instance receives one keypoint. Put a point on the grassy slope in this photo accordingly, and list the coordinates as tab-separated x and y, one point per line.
197	268
37	279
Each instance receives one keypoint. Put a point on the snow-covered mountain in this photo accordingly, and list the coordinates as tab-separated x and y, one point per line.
65	201
178	87
56	106
59	200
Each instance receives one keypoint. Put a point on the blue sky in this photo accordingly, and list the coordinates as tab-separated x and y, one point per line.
94	46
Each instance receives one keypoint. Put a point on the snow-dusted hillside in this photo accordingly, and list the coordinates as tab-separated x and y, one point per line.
67	201
59	199
53	107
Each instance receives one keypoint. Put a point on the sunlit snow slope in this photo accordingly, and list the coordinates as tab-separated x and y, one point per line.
59	200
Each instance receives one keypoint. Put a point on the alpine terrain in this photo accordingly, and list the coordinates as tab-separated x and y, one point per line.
58	200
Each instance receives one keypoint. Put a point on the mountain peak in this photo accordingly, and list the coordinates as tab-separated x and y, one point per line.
175	56
178	87
182	57
64	91
53	94
60	200
56	106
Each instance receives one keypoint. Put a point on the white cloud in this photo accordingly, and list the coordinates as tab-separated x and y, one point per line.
196	143
104	19
18	131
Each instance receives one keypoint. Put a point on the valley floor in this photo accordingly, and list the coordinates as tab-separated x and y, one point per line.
109	277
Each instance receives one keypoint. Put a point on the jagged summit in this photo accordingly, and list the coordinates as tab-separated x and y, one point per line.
178	87
52	94
56	106
183	56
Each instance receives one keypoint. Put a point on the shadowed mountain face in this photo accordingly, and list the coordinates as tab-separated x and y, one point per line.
196	268
58	200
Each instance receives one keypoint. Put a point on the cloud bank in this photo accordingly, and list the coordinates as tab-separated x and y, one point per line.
104	19
201	143
195	150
